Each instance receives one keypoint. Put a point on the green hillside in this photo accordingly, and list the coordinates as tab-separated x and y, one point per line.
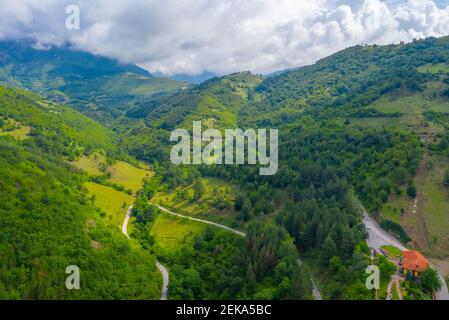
47	221
52	121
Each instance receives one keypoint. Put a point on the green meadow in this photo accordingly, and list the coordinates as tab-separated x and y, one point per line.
172	234
113	203
129	176
215	202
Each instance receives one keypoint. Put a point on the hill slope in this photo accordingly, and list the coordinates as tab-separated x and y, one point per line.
47	221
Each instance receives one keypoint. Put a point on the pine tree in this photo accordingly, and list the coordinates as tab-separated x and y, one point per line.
328	250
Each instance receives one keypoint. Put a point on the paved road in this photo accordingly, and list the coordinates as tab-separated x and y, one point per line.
378	238
162	269
316	294
165	280
242	234
125	222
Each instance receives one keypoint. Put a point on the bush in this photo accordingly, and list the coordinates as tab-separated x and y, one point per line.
411	191
396	229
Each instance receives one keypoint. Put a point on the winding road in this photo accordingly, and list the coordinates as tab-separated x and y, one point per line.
377	238
315	293
165	280
162	269
242	234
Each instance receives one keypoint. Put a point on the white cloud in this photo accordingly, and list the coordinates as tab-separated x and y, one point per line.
222	36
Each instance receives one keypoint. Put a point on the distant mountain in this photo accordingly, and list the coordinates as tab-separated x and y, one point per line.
96	85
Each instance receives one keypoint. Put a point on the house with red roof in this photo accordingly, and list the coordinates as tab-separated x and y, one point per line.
413	263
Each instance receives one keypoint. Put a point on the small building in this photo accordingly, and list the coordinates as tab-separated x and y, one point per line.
413	264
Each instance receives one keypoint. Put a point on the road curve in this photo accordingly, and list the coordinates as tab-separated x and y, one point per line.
125	222
162	269
165	280
242	234
377	238
316	294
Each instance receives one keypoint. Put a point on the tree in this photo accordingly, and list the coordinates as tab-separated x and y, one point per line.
329	249
430	280
198	190
238	203
300	286
411	191
250	277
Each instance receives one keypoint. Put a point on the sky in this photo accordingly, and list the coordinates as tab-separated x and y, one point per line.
222	36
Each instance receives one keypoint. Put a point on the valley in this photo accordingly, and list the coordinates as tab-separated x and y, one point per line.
86	177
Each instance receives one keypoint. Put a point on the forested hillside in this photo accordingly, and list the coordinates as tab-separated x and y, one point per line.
329	155
47	222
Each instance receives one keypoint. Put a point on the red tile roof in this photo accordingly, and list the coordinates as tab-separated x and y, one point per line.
415	261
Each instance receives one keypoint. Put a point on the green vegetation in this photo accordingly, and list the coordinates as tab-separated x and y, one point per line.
207	197
172	234
21	133
46	219
65	130
392	251
395	229
370	120
129	176
92	164
221	265
46	224
434	68
98	86
113	203
424	288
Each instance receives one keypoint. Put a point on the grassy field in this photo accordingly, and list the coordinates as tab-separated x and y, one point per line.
392	251
90	164
172	233
128	176
436	208
434	68
19	134
216	194
401	209
411	107
113	203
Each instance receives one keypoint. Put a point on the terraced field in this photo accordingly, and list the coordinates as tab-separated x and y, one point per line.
215	202
130	177
90	164
113	203
173	234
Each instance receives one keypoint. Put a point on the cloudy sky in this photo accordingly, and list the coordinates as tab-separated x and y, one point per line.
223	36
